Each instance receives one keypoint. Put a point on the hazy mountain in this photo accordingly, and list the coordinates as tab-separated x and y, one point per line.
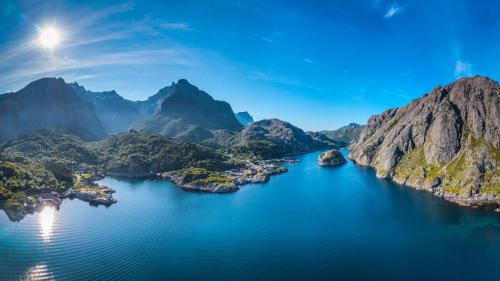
244	118
446	142
347	134
115	112
48	103
189	114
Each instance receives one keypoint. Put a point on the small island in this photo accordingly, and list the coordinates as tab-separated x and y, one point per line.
331	158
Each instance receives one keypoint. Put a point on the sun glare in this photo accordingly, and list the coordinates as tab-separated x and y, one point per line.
46	221
49	37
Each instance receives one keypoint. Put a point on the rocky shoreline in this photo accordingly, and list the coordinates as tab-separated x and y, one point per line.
472	201
86	190
229	180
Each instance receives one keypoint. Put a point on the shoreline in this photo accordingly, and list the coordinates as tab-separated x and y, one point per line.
91	192
229	180
471	202
88	190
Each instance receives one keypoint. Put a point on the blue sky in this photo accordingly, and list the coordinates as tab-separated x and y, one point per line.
316	64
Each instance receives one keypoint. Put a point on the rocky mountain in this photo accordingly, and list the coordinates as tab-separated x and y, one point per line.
48	103
190	114
115	113
446	142
271	138
347	134
244	118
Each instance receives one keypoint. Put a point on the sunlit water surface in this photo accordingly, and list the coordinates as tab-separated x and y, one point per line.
311	223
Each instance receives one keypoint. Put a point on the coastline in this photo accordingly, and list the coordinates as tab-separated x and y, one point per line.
472	202
229	180
88	190
85	189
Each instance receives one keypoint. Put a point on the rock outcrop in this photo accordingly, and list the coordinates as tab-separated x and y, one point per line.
331	158
446	142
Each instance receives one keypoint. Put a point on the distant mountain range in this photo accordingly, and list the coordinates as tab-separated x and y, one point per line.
447	142
181	111
115	112
346	134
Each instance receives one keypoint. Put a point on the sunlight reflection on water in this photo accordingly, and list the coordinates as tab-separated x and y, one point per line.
46	222
38	272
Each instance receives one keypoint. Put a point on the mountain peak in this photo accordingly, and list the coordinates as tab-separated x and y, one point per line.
46	81
186	110
48	103
183	82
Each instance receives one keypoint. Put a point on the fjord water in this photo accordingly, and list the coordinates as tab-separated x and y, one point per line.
311	223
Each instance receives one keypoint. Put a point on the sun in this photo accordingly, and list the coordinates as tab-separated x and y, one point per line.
49	37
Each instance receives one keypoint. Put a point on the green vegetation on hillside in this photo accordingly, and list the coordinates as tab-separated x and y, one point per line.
50	161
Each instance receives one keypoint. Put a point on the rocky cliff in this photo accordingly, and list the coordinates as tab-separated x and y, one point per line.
446	142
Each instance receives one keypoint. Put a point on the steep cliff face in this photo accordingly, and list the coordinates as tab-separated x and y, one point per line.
446	142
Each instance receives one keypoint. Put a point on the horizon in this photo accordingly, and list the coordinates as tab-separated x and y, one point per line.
325	64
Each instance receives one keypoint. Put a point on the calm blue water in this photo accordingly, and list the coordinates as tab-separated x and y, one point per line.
311	223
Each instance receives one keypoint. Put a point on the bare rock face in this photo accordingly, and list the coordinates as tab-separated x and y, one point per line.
331	158
446	142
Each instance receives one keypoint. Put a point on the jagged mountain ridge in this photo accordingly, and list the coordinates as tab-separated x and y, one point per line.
115	112
446	142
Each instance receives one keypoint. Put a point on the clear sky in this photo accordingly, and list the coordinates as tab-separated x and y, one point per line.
316	64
